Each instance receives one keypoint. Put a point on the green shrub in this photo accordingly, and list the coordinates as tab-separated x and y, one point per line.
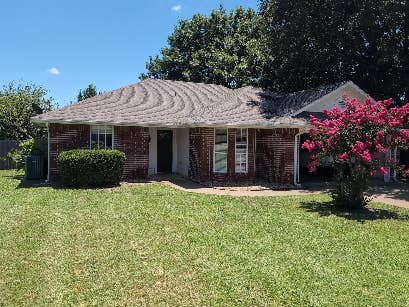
96	167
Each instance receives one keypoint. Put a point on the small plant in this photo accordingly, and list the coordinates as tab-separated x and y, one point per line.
358	140
26	148
94	168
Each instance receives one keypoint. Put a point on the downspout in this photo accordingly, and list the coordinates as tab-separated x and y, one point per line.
254	153
297	159
48	153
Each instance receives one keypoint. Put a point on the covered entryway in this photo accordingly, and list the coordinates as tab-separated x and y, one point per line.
168	150
165	151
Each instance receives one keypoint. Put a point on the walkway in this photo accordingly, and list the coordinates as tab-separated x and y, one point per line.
396	194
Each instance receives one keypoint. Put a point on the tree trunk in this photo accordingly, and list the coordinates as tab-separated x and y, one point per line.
350	187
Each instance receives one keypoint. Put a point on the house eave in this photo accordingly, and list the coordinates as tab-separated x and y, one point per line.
167	125
323	98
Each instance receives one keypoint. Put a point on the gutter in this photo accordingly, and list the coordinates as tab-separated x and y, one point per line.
195	125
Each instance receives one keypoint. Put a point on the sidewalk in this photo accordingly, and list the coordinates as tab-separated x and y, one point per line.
396	194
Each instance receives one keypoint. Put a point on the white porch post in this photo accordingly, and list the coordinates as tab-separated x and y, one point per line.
387	176
395	154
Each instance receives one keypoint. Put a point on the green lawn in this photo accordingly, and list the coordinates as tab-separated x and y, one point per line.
152	244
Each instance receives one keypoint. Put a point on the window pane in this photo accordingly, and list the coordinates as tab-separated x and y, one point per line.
101	141
108	129
94	140
241	167
241	158
109	141
241	150
220	162
94	129
241	135
221	136
220	148
101	137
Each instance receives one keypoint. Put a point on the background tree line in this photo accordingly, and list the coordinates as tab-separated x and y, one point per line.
285	46
19	102
292	45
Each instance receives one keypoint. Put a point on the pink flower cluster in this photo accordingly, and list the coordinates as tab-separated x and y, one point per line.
360	134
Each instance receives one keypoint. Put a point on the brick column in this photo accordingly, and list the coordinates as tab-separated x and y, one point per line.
201	143
134	142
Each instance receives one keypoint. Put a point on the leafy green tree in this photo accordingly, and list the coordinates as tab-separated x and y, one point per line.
89	92
25	148
222	48
312	42
18	103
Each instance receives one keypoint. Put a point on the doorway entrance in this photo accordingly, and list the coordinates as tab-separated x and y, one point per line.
164	149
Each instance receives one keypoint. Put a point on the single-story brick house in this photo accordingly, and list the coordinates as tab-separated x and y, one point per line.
205	131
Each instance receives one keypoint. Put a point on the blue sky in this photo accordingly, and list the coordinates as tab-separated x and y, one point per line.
65	45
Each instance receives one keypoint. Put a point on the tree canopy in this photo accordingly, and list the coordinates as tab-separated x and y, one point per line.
293	45
18	103
221	48
88	92
314	42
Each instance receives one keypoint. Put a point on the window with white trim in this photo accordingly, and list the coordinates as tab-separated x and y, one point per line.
241	150
101	137
220	151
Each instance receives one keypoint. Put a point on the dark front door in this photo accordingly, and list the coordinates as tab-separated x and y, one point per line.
165	151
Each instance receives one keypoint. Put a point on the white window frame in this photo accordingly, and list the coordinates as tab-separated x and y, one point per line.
101	127
214	150
241	154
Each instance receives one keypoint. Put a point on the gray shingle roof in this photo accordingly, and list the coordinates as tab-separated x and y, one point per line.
177	104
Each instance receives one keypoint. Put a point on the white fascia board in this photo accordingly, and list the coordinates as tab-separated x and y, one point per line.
261	126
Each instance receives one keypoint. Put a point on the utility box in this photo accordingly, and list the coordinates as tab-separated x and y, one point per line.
35	167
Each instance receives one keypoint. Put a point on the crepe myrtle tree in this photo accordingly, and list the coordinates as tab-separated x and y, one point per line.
357	140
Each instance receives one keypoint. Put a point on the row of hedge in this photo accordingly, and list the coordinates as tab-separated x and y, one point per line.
91	168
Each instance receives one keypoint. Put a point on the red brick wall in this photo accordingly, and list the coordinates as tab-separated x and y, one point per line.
201	143
134	142
65	137
275	154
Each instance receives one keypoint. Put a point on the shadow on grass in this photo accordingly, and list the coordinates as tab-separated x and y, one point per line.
27	184
359	215
23	183
40	183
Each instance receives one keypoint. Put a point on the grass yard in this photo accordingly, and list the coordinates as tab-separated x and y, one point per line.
152	244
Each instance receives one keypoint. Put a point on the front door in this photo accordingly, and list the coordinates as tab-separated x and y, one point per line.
165	151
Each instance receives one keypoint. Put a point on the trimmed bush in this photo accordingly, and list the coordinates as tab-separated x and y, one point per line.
94	168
